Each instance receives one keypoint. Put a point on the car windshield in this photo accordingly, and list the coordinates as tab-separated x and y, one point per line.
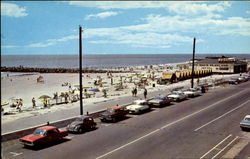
138	102
40	132
247	119
110	110
161	98
78	119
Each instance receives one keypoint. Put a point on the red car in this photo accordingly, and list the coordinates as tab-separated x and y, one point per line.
43	135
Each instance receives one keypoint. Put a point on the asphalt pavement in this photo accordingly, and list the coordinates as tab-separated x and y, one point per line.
201	127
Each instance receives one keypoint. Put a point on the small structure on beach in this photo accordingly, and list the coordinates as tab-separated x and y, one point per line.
167	78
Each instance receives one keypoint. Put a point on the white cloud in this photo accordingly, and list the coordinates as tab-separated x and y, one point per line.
203	24
12	10
121	35
180	7
101	15
9	46
51	42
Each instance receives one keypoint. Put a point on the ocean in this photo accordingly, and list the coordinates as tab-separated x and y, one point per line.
101	61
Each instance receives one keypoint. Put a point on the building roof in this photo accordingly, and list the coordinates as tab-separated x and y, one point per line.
216	61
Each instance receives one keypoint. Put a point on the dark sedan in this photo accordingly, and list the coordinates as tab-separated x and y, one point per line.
159	101
81	124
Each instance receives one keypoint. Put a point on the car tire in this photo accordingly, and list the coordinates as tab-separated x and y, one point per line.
243	129
113	120
80	130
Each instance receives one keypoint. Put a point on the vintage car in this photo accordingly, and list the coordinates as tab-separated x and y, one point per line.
234	81
192	92
113	114
177	96
81	124
245	123
43	135
138	106
159	101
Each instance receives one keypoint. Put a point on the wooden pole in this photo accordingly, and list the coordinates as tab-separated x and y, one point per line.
80	68
192	81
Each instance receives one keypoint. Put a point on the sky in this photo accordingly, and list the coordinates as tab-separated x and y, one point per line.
125	27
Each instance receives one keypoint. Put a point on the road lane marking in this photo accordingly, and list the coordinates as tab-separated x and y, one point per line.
225	147
167	125
128	144
216	146
236	149
222	115
14	154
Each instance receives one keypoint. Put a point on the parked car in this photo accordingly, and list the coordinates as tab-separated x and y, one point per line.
81	124
43	135
177	96
246	76
113	114
245	123
243	78
234	81
159	101
138	106
192	92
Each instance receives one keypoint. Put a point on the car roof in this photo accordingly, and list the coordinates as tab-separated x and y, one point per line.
83	117
115	107
47	127
247	116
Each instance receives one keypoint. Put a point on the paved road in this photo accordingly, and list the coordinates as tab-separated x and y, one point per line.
202	127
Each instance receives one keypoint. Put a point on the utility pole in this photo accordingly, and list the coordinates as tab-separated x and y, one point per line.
80	68
192	81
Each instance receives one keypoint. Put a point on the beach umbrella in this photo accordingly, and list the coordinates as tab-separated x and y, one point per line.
44	97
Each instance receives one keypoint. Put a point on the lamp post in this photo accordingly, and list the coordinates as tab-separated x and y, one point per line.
192	81
80	68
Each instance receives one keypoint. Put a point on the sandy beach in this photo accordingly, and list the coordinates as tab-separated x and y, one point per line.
25	86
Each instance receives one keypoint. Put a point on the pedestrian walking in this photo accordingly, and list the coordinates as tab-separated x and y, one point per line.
135	91
33	102
145	93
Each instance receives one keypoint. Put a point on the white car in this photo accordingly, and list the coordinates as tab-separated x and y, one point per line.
138	106
245	123
177	96
192	92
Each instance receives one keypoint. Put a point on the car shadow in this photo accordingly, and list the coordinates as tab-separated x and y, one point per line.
48	145
142	112
85	131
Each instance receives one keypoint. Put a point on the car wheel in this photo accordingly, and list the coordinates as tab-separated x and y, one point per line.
243	129
113	120
80	130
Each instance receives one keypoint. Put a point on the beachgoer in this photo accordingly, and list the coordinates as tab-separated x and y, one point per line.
66	97
135	91
20	102
145	93
34	102
70	87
